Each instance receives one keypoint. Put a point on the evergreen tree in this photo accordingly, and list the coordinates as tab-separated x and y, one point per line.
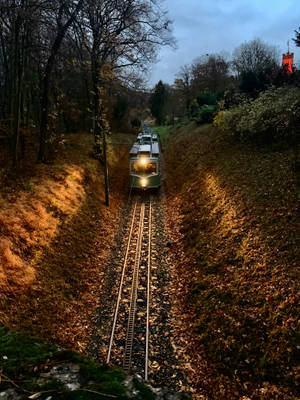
158	102
297	38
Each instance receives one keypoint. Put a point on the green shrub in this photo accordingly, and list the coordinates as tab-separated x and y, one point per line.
207	98
206	114
203	114
272	117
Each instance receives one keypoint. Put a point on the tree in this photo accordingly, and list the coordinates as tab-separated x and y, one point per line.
18	19
183	87
210	73
60	57
157	103
255	56
120	107
125	35
66	14
297	38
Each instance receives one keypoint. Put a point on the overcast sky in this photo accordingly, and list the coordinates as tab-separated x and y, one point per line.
204	27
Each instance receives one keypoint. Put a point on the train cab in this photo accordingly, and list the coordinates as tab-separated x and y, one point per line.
145	164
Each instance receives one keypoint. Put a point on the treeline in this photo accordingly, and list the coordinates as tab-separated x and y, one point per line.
250	96
62	62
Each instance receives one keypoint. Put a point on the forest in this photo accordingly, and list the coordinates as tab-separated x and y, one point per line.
65	63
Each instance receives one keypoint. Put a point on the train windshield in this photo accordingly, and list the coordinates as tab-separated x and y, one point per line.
145	140
143	169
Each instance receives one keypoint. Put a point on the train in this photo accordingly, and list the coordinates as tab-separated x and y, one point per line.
145	167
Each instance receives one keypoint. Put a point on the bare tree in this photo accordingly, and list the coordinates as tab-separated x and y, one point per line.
65	14
183	86
125	36
18	19
254	56
108	40
210	72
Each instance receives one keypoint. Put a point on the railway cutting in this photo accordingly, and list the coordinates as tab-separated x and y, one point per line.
134	330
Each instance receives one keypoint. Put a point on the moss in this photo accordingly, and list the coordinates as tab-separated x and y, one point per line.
145	393
23	356
21	353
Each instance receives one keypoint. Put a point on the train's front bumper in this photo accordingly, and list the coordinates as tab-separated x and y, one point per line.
144	182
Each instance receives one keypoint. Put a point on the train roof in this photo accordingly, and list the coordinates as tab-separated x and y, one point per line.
155	148
144	134
134	149
147	149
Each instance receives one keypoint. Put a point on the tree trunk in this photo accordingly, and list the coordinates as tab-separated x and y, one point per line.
45	101
17	91
44	116
99	127
96	103
6	92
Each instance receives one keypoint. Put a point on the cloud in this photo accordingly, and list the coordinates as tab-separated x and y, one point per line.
201	27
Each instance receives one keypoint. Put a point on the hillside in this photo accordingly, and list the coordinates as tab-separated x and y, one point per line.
55	235
234	222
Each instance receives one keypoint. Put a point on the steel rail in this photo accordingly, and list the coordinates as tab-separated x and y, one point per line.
132	310
148	289
121	285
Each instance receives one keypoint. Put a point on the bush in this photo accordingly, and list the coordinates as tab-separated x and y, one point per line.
207	98
274	116
206	114
203	114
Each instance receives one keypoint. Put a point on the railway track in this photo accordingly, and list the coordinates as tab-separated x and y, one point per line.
129	340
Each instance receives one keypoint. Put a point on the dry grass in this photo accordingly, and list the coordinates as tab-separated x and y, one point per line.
31	223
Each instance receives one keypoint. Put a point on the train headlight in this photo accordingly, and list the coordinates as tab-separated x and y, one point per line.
143	161
144	182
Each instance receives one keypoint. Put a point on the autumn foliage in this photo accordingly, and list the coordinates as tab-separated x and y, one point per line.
238	212
55	238
273	117
31	223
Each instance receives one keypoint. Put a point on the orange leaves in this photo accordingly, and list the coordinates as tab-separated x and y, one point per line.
29	223
239	221
55	241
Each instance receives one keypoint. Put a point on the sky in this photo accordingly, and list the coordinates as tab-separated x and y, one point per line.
219	26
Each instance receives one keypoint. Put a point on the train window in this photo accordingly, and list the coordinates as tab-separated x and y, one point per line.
149	168
146	140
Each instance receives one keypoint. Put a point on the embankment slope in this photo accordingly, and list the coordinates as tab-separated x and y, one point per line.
234	216
55	237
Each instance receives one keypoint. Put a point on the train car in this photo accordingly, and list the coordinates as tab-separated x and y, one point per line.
145	163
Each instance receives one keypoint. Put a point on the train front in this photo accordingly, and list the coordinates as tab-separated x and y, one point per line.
144	168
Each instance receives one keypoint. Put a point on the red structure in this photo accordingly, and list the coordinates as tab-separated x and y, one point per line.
287	62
